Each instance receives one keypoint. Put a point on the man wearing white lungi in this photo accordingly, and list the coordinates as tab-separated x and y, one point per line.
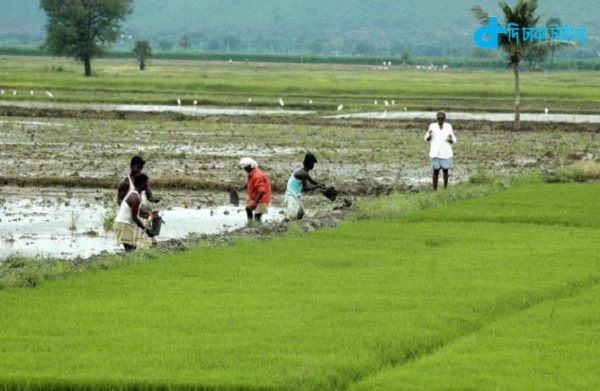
130	230
440	136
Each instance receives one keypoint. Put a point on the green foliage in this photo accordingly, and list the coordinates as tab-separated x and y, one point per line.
479	185
185	41
142	51
82	28
578	172
119	81
315	27
435	292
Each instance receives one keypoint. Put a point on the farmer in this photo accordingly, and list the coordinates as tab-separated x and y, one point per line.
126	185
298	182
130	230
259	189
440	137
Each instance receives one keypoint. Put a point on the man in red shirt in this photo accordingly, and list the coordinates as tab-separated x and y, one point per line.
259	189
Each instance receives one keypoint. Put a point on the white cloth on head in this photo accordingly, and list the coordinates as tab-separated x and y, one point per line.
438	145
248	161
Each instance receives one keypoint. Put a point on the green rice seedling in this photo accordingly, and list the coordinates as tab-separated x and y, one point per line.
328	310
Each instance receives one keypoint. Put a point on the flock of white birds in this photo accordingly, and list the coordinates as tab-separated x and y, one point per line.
340	107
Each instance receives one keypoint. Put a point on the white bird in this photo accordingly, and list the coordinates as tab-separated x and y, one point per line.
394	102
14	92
195	102
375	102
281	103
546	110
384	63
404	108
49	94
340	107
178	102
31	93
249	100
310	102
389	63
385	102
2	92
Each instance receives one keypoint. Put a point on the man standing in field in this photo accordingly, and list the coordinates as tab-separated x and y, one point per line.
440	136
130	230
298	182
259	189
135	167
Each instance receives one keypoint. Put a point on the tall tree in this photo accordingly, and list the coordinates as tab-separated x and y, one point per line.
142	51
185	41
83	28
523	15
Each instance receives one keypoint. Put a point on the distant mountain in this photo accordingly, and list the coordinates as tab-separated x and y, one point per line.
423	27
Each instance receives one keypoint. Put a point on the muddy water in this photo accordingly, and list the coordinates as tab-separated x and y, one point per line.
232	111
55	226
492	117
186	110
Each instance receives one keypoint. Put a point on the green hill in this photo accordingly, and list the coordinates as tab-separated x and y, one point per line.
422	27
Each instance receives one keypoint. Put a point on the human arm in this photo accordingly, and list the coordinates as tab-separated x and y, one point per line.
135	204
308	183
429	134
451	136
240	187
151	197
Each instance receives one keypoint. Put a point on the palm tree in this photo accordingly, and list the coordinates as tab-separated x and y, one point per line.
522	14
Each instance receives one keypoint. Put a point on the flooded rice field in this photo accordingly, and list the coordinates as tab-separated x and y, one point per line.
492	117
67	223
59	175
190	109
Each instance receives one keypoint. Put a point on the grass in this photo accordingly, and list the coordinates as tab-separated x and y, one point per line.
363	305
223	84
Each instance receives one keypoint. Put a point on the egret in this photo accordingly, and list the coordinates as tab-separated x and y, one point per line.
178	102
386	103
340	107
393	103
310	102
375	102
281	103
195	102
404	108
546	110
31	93
2	92
49	94
249	100
14	92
